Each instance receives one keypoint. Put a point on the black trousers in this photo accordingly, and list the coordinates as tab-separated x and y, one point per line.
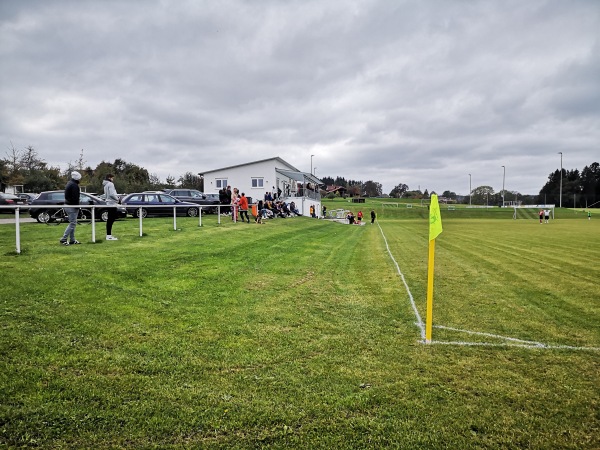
112	216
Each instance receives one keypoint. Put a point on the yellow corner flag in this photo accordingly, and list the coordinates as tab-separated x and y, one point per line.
435	228
435	218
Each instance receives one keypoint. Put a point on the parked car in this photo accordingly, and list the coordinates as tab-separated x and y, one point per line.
27	196
195	196
157	204
213	198
9	200
43	215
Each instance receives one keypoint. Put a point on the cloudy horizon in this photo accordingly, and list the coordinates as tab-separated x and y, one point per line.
420	93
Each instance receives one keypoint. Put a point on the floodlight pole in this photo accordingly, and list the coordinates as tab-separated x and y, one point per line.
503	178
311	168
470	190
560	201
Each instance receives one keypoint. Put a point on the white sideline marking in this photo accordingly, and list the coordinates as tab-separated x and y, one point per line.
412	300
513	342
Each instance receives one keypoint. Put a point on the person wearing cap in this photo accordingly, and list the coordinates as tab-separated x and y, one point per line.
71	198
112	199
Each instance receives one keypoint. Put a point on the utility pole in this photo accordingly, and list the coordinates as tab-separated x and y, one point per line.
470	190
503	178
560	201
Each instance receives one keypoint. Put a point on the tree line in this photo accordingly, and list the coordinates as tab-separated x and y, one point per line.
579	190
27	169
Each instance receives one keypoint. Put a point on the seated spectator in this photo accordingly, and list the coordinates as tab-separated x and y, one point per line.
293	208
350	218
277	210
259	212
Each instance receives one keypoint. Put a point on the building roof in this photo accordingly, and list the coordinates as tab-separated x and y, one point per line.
334	188
277	158
299	176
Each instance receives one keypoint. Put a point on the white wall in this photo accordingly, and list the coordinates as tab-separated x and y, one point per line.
241	178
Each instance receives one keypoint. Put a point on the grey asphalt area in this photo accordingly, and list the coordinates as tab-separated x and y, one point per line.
12	220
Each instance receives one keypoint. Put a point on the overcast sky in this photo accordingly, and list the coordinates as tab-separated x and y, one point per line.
415	92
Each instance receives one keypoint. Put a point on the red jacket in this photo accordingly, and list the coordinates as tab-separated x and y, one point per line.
243	202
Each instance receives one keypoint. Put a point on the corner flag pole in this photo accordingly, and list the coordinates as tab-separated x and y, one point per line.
435	228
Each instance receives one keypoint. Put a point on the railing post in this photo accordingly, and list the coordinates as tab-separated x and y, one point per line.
18	230
94	224
174	218
200	216
140	215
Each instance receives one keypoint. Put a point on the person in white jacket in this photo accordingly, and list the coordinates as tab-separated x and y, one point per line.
112	199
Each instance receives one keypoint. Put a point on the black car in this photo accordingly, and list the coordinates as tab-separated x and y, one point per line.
157	204
44	215
209	204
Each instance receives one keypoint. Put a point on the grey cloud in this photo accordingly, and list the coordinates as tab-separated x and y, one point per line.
415	92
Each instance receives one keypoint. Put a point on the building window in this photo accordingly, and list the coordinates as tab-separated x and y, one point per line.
257	182
221	183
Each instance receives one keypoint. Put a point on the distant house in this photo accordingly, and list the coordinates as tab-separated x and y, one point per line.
341	190
268	175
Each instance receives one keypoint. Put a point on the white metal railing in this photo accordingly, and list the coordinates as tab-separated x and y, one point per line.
17	210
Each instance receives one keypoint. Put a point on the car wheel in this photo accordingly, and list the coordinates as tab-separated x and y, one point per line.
144	213
104	216
43	217
84	214
192	212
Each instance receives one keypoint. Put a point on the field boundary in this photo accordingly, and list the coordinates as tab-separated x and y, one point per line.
510	341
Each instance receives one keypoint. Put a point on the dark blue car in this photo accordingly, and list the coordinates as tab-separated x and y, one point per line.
157	204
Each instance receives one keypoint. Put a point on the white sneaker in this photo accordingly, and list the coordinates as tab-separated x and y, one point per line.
110	237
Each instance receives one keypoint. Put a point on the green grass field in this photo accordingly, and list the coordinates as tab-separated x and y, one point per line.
300	334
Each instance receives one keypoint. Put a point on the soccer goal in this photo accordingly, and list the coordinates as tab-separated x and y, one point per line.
533	211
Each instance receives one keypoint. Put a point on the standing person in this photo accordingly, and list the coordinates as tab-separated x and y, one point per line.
71	198
547	215
589	215
223	199
373	216
244	208
541	216
324	211
228	195
359	216
311	211
235	201
112	199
